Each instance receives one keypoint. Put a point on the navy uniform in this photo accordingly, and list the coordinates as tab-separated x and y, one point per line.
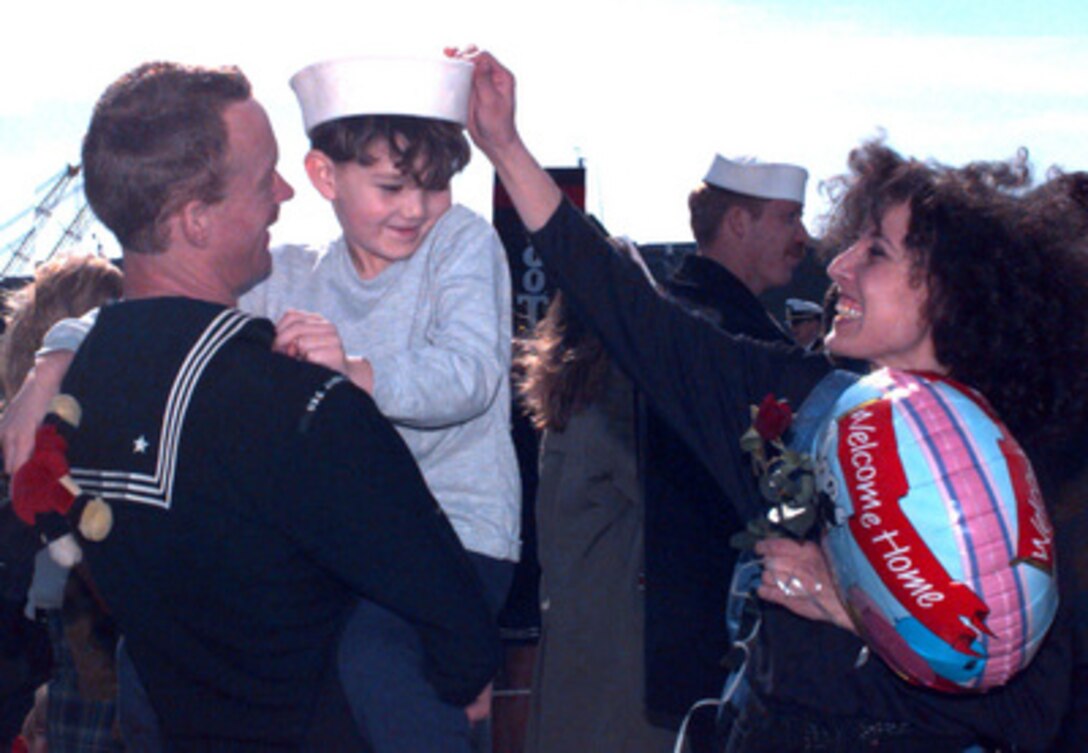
254	499
689	520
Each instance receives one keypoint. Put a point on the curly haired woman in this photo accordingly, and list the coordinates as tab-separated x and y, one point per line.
944	271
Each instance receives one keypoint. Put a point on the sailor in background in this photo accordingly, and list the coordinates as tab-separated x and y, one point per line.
805	322
746	220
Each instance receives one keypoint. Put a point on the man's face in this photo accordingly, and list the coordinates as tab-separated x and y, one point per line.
254	191
775	245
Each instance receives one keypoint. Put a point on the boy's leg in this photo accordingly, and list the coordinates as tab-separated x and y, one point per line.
334	728
381	669
496	577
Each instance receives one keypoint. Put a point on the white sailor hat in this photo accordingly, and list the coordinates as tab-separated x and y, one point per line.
378	85
759	179
798	309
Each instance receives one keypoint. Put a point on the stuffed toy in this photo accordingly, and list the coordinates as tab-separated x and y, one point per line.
43	493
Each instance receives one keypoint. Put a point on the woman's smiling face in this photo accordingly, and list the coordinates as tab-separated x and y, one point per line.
880	315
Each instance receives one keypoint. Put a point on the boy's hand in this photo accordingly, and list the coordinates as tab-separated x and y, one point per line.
313	338
310	337
480	709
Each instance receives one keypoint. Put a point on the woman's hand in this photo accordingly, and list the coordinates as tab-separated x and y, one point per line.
492	102
491	125
796	576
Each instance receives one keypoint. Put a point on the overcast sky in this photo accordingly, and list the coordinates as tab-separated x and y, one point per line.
643	91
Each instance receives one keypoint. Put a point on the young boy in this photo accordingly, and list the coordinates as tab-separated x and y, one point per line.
413	303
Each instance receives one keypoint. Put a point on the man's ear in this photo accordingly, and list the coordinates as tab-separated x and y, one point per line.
737	221
322	173
193	221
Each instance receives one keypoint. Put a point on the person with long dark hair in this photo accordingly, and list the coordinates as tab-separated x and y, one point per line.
588	678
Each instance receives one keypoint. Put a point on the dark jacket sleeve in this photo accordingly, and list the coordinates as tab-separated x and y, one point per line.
701	380
370	519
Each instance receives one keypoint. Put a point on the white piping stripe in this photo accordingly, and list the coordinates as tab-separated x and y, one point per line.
157	490
222	328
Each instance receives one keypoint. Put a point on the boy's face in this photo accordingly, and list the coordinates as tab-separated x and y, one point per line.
384	213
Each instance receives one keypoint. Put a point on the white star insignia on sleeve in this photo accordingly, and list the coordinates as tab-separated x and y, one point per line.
139	445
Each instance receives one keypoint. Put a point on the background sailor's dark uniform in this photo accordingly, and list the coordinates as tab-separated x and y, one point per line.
803	671
689	520
254	498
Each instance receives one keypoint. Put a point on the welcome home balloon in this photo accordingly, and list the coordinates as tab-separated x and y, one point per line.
941	546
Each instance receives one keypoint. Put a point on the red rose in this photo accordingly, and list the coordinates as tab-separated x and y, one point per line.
36	487
772	418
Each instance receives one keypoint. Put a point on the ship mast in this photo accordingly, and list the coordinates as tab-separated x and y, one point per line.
19	256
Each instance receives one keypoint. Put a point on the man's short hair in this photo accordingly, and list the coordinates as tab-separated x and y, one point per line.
431	151
708	205
156	141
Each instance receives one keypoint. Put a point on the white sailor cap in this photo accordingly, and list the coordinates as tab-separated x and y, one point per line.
798	309
759	179
379	85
